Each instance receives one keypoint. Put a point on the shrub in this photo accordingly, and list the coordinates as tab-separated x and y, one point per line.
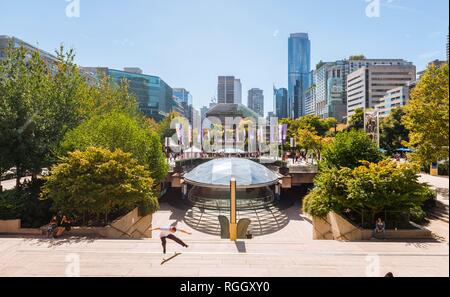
348	149
98	181
372	187
24	203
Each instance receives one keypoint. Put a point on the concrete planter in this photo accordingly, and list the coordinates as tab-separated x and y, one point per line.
14	227
335	227
130	226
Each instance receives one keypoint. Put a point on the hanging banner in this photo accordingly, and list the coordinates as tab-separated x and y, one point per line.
280	134
190	134
284	134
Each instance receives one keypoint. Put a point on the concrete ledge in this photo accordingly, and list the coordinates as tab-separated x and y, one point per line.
335	227
129	226
14	227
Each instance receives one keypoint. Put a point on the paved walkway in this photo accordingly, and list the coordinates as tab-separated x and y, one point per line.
44	257
440	184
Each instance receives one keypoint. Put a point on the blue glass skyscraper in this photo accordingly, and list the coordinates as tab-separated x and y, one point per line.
299	72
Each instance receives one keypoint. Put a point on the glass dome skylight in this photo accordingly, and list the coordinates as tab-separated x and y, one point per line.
218	173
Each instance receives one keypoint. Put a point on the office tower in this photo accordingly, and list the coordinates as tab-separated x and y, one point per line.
299	67
185	98
367	85
330	100
280	102
330	79
225	89
256	101
237	91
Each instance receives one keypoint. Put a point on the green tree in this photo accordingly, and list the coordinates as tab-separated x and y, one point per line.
164	129
107	96
427	116
310	141
98	181
33	117
39	105
371	187
348	149
357	120
311	123
392	131
118	130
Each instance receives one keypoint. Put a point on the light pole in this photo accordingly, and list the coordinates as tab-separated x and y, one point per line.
233	223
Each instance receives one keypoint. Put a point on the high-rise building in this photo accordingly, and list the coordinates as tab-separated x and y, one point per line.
237	91
256	101
369	84
184	97
330	79
299	67
280	102
225	89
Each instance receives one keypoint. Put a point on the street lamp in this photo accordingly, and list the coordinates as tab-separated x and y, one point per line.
233	223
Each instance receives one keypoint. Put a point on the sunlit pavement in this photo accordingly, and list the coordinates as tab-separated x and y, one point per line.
287	252
288	257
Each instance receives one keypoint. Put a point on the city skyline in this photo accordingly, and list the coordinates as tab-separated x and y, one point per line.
193	54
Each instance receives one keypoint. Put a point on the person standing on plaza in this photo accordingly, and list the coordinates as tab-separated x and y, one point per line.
168	233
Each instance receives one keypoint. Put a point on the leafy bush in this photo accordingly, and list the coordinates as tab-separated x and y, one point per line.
373	188
348	149
98	181
24	204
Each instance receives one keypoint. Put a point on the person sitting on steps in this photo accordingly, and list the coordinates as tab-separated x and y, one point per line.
380	227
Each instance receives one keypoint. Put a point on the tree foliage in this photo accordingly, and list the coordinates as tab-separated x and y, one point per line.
164	129
311	123
348	149
373	187
39	103
356	121
97	181
118	130
427	116
392	131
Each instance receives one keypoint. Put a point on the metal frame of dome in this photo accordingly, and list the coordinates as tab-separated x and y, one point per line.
242	170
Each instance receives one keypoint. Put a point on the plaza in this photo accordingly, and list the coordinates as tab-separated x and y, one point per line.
287	250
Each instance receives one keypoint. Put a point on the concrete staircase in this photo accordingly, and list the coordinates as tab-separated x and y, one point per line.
440	212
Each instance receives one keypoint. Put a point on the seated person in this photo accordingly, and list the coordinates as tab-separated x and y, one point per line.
52	226
63	226
380	227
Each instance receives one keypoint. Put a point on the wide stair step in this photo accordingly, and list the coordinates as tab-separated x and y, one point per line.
440	212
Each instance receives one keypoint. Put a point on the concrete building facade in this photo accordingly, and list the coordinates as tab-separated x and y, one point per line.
368	85
256	101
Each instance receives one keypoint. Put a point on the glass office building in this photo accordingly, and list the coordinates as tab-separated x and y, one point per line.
155	97
299	72
184	98
280	98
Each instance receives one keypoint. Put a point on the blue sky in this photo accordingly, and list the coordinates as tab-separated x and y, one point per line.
189	43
